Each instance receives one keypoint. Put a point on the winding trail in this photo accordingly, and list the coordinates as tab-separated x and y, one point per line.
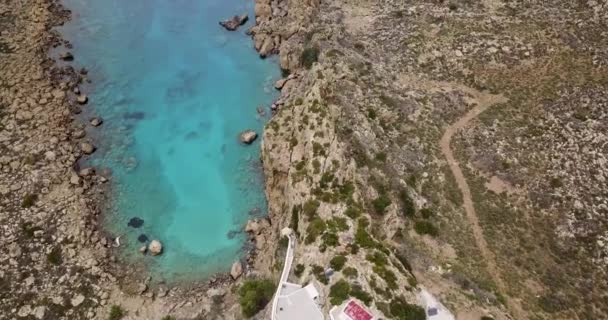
484	101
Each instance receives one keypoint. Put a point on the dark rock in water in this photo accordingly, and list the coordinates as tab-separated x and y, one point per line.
142	238
232	233
137	115
235	22
66	56
191	135
135	222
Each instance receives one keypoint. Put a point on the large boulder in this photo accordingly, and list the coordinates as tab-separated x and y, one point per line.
248	136
234	22
236	270
82	99
96	122
87	148
155	247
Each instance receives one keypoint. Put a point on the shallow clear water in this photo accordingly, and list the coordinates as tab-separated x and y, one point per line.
174	90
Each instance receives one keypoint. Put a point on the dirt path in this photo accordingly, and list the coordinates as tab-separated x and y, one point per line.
484	101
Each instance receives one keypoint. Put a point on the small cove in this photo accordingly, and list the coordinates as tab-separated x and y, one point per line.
174	90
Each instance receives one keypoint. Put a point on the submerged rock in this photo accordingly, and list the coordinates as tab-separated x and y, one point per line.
137	115
232	233
235	22
248	136
142	238
143	249
155	247
96	122
135	222
261	111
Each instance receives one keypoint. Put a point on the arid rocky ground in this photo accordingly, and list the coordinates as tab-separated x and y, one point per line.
391	77
355	158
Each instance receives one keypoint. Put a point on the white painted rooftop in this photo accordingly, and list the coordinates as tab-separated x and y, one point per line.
298	303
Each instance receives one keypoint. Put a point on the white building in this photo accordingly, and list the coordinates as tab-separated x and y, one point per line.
298	303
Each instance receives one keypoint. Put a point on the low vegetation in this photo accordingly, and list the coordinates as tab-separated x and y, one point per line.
116	313
402	310
309	56
339	292
254	295
337	262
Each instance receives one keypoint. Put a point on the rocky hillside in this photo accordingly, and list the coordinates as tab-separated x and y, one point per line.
380	94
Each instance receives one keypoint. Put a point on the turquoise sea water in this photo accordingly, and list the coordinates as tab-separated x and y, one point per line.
174	90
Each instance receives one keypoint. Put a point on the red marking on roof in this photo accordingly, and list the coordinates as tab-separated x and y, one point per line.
357	312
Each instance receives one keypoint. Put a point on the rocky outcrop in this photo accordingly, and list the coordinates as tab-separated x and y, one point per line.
248	136
82	99
236	270
235	22
155	247
87	148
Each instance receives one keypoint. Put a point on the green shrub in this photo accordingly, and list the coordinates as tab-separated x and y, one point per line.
330	239
409	209
295	218
168	318
404	311
358	292
29	200
54	257
116	313
426	227
371	114
309	56
381	203
378	258
310	208
319	273
486	318
299	270
354	248
352	212
381	156
337	262
362	237
315	228
350	272
339	292
254	295
426	213
388	276
337	224
346	190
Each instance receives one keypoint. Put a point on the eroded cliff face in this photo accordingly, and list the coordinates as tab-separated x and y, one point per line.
452	129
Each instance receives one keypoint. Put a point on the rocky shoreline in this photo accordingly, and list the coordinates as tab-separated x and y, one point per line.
352	164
